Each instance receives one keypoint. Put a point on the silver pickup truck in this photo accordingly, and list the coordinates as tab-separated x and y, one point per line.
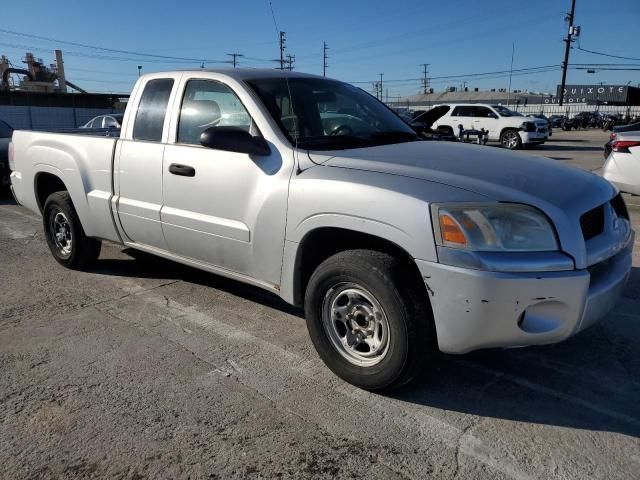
310	188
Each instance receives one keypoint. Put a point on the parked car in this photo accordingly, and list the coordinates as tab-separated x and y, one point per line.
510	128
563	122
543	117
632	127
113	120
315	191
5	138
556	120
422	121
585	119
622	167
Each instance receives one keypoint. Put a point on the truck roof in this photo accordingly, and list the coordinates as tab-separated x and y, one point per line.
243	73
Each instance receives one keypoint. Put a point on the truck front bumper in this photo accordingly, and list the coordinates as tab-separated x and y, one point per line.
533	137
476	309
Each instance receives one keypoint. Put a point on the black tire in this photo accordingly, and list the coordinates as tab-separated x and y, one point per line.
70	246
411	332
510	138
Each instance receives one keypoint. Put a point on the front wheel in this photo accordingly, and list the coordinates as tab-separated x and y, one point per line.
511	139
65	235
369	322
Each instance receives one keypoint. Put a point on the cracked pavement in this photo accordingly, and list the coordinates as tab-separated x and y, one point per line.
142	368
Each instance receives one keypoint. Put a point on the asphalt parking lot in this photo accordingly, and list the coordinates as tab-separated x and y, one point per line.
142	368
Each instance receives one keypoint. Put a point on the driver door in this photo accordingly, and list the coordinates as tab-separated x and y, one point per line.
485	118
222	208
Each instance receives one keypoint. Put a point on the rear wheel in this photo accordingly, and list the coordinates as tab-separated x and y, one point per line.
511	139
65	235
370	324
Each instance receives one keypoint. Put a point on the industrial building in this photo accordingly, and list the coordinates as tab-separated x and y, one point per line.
38	97
613	98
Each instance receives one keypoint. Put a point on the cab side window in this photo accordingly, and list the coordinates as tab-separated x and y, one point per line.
483	112
152	110
462	112
206	104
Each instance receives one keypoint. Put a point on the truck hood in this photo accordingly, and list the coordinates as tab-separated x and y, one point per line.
498	174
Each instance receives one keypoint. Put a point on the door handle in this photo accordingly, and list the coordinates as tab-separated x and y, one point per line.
182	170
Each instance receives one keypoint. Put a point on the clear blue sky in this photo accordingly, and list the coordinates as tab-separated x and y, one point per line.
364	37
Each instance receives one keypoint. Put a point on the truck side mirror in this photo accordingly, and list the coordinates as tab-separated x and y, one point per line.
234	139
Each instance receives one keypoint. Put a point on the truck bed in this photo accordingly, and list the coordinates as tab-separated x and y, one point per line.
83	162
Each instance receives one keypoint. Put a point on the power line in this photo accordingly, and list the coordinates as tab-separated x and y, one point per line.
608	69
541	69
273	15
111	50
605	54
104	57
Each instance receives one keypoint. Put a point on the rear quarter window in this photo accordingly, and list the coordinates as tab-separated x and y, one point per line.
152	110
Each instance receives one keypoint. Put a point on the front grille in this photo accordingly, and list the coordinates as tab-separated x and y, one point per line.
592	223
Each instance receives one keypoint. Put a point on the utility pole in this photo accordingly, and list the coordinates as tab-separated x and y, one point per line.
290	61
381	86
324	58
234	56
513	50
425	78
282	47
567	47
376	89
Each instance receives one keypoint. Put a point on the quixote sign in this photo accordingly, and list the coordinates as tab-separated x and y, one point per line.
591	94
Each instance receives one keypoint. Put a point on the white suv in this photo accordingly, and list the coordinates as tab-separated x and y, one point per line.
510	128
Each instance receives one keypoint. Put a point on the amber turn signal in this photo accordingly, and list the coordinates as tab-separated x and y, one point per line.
450	230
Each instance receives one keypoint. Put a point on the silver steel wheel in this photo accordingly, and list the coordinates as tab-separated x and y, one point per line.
60	231
356	324
510	139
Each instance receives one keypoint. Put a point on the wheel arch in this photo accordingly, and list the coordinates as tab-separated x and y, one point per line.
504	129
44	184
320	243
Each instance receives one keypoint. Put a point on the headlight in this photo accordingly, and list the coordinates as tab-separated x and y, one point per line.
504	227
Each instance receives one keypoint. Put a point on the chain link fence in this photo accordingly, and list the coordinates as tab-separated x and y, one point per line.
569	110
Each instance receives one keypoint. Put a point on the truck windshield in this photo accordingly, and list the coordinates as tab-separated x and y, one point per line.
320	114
